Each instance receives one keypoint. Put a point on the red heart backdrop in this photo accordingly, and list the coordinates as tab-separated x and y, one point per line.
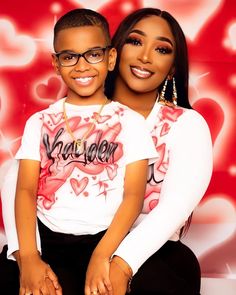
28	83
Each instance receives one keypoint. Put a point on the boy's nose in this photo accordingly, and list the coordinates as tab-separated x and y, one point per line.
82	64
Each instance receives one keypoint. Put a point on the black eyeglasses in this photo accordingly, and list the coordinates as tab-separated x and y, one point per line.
92	56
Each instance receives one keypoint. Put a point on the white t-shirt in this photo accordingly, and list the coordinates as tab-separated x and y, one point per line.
80	191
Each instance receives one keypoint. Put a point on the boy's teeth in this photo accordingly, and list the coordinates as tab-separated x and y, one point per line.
84	79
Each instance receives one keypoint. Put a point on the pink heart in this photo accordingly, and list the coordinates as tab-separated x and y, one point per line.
56	118
102	119
112	171
50	89
171	114
16	50
78	185
213	114
165	128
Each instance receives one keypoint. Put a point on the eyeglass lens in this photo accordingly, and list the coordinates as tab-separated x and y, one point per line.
91	56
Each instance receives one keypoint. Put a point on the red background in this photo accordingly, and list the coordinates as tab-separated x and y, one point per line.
28	83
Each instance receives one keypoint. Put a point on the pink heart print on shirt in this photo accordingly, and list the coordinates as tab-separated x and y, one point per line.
165	129
171	114
112	171
79	185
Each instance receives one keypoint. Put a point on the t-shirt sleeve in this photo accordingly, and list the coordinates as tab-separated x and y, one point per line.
138	142
187	178
30	142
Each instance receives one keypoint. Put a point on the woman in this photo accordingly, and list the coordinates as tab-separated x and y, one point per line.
151	77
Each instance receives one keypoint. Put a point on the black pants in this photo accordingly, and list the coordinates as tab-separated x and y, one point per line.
173	269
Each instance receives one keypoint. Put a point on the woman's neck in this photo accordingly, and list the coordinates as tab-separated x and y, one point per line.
139	102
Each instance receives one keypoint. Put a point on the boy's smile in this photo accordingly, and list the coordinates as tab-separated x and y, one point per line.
83	47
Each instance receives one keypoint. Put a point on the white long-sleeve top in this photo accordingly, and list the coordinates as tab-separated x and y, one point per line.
181	178
177	182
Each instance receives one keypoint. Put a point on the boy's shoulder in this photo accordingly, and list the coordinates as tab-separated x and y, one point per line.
53	108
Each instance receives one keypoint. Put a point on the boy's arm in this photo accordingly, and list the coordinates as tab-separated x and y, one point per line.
33	271
25	206
128	211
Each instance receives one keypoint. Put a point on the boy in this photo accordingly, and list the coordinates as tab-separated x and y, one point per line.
78	169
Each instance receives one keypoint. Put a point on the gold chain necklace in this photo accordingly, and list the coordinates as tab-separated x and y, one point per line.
79	142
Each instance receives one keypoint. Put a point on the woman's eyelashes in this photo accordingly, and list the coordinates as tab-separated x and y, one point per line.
133	41
162	49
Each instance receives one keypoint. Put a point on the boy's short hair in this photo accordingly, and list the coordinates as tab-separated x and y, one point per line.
82	17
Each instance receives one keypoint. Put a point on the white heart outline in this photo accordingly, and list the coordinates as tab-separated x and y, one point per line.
26	44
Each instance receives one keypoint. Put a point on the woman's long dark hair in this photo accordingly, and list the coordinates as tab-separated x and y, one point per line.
181	55
181	63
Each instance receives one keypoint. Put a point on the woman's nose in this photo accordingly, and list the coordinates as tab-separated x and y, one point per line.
145	55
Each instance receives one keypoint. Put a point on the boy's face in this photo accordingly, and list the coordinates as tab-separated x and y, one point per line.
84	80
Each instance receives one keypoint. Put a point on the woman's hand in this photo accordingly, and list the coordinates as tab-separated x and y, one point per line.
37	278
97	276
120	276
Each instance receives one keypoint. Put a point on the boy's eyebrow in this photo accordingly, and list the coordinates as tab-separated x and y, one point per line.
97	47
160	38
90	48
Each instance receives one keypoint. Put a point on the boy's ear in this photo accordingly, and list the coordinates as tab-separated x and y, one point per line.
112	59
55	64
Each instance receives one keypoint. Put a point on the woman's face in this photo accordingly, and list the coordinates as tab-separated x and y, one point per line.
147	56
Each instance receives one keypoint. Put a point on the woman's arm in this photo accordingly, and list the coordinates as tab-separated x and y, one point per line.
8	192
187	178
128	211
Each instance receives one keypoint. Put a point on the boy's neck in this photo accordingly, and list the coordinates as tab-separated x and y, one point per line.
86	100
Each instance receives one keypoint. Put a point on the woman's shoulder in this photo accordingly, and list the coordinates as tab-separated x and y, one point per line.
190	124
192	117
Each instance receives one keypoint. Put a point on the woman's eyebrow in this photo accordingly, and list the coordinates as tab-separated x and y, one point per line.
165	39
161	38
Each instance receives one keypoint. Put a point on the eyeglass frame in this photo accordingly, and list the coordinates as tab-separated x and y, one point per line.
79	55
